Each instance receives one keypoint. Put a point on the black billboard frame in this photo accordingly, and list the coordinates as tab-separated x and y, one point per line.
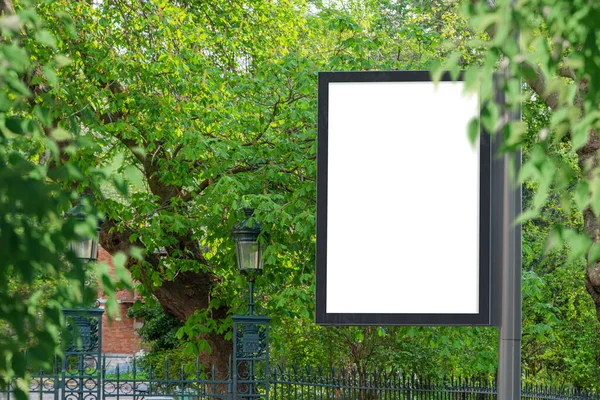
484	316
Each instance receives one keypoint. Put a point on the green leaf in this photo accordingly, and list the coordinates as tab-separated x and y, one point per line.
180	332
121	185
112	307
581	195
473	132
136	253
46	38
595	198
62	61
43	115
594	254
60	134
121	272
190	349
578	244
472	79
436	70
580	136
513	133
203	345
15	125
527	215
489	116
359	336
16	85
17	57
50	74
5	103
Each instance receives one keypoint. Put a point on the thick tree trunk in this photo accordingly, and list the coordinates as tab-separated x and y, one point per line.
189	292
181	297
588	162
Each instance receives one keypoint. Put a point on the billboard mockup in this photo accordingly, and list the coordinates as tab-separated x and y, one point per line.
403	202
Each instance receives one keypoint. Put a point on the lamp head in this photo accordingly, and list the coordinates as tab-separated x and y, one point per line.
248	249
86	248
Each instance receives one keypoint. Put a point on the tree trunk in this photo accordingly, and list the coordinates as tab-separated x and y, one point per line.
6	7
588	162
189	292
181	297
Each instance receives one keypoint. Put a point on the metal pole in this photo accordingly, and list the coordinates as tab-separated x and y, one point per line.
510	313
251	313
508	266
251	297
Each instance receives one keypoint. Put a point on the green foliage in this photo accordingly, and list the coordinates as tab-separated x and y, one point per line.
179	114
32	231
542	54
428	352
546	57
167	364
159	329
40	277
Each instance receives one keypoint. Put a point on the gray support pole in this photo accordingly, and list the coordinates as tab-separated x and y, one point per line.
507	271
510	323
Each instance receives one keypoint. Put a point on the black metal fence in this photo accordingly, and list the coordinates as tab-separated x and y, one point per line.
320	384
135	379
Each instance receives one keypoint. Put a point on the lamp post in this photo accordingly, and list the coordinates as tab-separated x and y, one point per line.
81	363
250	332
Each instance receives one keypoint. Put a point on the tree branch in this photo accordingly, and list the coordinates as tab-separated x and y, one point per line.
209	181
275	111
566	72
539	86
271	119
110	117
297	173
177	150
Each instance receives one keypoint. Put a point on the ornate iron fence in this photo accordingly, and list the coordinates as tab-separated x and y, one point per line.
128	378
134	379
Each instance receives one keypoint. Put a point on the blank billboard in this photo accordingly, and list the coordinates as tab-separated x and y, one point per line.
402	202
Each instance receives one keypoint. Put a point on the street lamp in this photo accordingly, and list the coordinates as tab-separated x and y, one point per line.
248	250
81	361
85	248
251	332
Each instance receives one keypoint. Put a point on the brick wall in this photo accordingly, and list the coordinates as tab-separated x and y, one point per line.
119	335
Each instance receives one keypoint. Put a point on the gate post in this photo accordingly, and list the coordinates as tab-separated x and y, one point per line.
80	373
250	357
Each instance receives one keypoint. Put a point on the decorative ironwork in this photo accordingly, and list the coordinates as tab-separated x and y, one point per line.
84	331
136	379
251	357
251	340
80	372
